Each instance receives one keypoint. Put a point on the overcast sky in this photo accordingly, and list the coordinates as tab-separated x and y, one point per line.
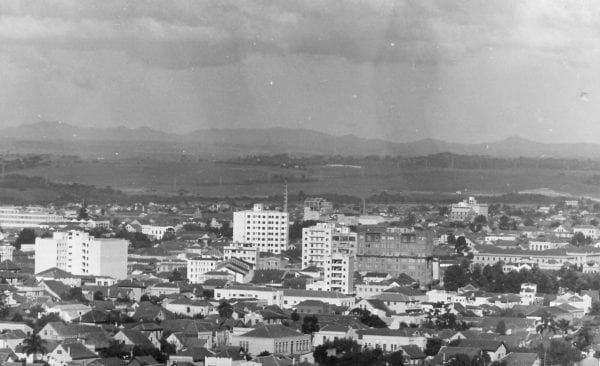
460	70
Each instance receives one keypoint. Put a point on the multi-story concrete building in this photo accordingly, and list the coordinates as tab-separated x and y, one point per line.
27	217
320	241
315	208
265	230
390	250
467	210
78	253
246	252
200	265
339	273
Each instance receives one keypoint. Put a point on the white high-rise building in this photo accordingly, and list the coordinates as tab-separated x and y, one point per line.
265	230
78	253
339	273
322	240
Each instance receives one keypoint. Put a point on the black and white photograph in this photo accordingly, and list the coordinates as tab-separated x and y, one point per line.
299	182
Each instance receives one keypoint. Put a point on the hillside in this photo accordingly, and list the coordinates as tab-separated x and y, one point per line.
50	137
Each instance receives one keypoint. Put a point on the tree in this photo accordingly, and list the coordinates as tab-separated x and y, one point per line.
98	296
310	324
368	319
559	352
480	219
294	316
579	239
461	245
114	349
225	310
433	346
144	297
26	236
564	325
34	345
396	359
455	276
82	214
264	353
501	327
545	324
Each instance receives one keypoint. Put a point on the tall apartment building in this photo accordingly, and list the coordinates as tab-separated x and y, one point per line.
320	241
78	253
27	217
265	230
197	266
394	251
316	207
467	210
339	273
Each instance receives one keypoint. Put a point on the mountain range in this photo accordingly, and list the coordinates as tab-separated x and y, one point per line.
58	137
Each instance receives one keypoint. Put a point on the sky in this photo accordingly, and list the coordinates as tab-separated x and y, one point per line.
461	70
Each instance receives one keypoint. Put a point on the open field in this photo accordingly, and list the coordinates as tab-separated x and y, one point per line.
210	179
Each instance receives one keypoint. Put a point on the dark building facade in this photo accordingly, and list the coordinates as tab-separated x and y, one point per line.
395	251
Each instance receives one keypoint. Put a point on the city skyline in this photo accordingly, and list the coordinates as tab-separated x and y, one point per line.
401	71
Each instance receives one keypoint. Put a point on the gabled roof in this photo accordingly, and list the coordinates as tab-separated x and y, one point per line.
484	344
520	359
58	288
137	338
78	351
272	331
414	352
196	353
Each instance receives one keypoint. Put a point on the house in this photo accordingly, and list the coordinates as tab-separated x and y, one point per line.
390	340
166	288
190	308
183	341
131	338
375	307
495	349
194	355
521	359
231	356
331	332
149	312
275	338
69	312
313	307
75	354
413	355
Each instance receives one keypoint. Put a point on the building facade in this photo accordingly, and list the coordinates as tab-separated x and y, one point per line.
394	251
78	253
467	210
266	230
27	217
320	241
197	266
339	273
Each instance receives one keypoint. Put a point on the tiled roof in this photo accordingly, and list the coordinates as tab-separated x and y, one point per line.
272	331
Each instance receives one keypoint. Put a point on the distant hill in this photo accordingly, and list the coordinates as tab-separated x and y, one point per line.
51	137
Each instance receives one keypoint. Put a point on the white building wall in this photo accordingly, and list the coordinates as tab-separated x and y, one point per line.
266	230
78	253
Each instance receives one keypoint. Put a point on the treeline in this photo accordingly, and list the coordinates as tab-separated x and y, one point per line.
439	160
492	279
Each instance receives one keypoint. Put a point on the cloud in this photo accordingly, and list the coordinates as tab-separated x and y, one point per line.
195	33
